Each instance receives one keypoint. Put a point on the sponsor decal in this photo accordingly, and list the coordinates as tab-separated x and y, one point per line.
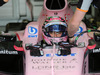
32	31
8	52
96	50
49	55
45	64
79	31
55	67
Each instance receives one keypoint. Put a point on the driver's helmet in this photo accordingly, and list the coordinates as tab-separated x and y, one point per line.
54	25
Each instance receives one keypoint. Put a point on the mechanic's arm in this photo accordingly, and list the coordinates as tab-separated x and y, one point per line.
74	23
82	8
2	2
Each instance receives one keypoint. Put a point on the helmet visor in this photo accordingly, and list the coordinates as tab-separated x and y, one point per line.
56	28
56	31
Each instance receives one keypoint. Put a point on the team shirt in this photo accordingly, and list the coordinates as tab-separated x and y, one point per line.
83	5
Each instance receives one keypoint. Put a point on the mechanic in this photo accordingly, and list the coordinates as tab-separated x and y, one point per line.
82	8
2	2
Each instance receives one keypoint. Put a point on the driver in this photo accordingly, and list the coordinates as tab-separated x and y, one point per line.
55	34
54	30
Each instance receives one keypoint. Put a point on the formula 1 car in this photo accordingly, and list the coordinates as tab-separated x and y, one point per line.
33	52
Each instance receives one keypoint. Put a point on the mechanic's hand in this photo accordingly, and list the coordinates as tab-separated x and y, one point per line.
5	0
91	34
71	40
2	2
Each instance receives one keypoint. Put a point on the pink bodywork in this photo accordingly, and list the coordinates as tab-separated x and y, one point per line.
50	63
